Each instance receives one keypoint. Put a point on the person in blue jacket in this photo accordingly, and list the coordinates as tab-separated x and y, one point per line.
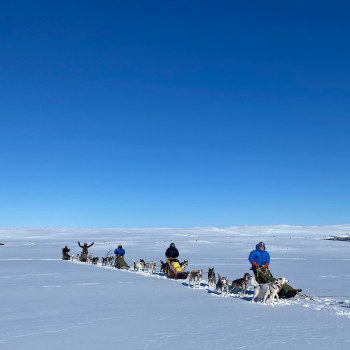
120	251
120	263
259	258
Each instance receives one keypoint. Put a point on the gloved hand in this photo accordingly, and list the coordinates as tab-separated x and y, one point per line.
265	266
255	264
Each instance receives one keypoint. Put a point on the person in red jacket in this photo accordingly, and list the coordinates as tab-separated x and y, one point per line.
65	255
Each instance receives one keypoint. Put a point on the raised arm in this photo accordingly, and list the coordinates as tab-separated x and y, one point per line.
91	245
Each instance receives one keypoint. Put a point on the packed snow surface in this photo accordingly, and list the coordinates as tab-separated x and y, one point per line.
48	303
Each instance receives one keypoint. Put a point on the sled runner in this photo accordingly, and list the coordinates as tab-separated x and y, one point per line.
174	270
265	276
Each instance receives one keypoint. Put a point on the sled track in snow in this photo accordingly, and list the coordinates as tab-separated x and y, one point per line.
330	304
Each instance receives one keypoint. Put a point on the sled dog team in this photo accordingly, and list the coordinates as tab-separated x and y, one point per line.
259	258
262	292
266	292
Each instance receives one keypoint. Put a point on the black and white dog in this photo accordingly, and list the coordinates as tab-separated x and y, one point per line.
222	285
108	260
211	278
151	266
267	291
183	264
241	283
139	266
162	266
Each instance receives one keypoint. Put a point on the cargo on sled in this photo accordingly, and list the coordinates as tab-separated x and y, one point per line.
120	263
174	270
265	276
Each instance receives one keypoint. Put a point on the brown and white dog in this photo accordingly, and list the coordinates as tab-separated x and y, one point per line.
222	285
211	278
196	277
241	283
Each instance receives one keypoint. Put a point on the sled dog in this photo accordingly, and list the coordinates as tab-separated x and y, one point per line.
211	278
108	260
139	266
241	283
222	285
162	266
95	260
151	266
267	291
183	264
196	277
275	288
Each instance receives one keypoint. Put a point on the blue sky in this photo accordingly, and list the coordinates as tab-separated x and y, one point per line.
174	113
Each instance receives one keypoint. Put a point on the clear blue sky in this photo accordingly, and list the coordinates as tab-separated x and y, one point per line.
174	113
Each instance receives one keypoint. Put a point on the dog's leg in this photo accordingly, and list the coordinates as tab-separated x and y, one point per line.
256	292
265	298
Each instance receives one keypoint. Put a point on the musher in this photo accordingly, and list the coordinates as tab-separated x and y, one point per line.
84	253
259	258
65	255
172	252
119	258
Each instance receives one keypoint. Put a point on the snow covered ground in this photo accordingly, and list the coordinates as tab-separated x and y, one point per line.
47	303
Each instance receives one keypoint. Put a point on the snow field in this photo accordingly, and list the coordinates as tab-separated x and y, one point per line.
50	303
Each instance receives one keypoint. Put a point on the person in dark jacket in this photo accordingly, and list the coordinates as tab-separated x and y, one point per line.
259	258
172	251
65	255
84	253
85	248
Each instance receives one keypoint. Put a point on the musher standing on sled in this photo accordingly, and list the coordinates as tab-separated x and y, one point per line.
84	253
259	258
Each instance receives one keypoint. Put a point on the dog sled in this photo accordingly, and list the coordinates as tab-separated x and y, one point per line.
265	276
120	263
83	257
174	270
